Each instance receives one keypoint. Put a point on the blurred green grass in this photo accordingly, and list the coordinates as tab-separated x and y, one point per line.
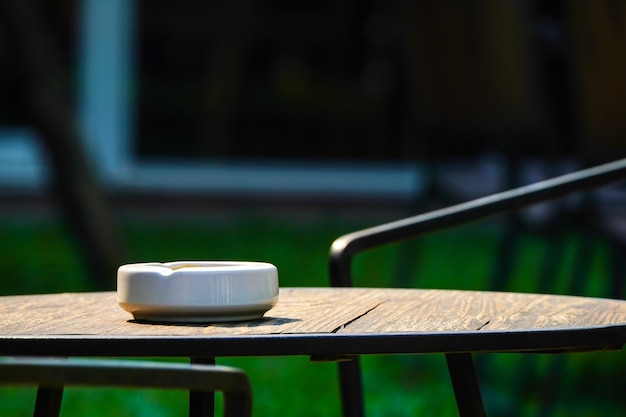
39	256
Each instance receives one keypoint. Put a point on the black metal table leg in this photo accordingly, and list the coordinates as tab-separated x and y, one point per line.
202	404
48	402
351	388
465	383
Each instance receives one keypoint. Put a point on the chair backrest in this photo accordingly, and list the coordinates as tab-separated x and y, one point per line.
344	248
57	373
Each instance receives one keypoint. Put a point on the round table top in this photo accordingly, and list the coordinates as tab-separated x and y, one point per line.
322	322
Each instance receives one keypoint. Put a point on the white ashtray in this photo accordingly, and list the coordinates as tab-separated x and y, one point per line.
197	291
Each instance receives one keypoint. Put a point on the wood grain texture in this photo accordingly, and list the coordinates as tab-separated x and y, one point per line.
321	311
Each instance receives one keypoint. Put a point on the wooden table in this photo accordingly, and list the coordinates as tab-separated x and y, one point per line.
327	324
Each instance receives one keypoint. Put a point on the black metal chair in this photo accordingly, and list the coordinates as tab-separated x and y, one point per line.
460	366
52	374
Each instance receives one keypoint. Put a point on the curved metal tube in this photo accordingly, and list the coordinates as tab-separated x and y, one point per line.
345	247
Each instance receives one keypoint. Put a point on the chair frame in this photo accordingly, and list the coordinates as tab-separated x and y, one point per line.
460	366
53	374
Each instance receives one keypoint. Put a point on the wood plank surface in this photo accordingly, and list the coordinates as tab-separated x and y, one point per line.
453	311
321	311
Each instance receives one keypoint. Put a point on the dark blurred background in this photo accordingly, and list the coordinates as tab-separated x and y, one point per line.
360	81
373	80
410	104
171	104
